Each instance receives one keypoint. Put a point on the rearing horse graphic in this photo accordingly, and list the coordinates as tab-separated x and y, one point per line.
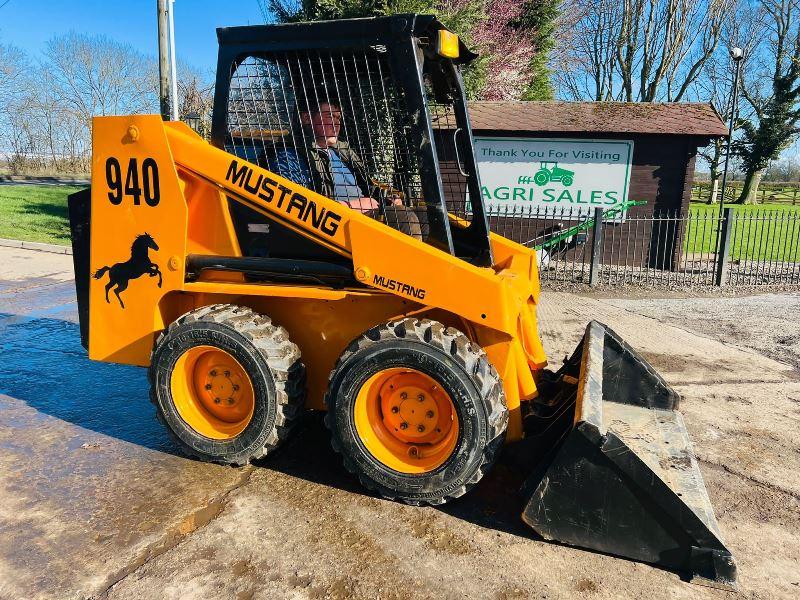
137	265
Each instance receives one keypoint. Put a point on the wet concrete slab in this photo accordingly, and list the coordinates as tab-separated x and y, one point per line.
90	482
97	503
302	527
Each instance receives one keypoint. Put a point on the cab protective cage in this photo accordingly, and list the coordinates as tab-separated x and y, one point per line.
400	100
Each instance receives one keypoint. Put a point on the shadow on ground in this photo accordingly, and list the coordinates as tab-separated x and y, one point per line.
46	367
495	503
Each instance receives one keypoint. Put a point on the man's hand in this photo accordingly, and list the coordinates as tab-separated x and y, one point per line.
363	204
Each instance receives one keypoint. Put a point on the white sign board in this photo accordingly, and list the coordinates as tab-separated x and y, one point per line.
521	174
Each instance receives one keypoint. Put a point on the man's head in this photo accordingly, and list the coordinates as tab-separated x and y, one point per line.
325	121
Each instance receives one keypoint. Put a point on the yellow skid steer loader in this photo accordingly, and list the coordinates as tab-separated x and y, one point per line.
329	250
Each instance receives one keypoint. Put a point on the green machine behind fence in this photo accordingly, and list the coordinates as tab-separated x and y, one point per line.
556	240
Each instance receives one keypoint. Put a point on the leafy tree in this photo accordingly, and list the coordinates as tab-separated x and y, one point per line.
538	19
772	91
715	83
513	37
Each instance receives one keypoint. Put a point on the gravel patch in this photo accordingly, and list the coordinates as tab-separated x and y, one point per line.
766	323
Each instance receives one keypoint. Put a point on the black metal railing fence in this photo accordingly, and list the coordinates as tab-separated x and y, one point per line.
658	248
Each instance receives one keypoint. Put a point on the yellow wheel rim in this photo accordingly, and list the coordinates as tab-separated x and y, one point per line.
406	420
212	392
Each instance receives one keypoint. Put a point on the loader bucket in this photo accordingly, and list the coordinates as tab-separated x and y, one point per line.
625	480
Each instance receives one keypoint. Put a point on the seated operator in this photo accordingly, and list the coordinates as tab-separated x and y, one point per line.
331	168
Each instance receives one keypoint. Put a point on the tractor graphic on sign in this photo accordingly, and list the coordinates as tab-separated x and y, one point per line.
550	171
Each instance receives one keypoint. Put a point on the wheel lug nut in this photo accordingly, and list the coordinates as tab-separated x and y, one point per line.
421	398
208	386
230	400
227	373
235	388
403	395
217	400
420	428
214	373
395	409
429	414
412	451
403	425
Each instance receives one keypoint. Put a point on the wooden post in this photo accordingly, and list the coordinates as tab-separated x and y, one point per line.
163	59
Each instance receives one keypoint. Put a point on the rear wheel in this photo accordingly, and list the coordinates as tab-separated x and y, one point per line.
416	410
227	383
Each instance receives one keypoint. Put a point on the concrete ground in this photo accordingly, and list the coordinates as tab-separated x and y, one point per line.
96	502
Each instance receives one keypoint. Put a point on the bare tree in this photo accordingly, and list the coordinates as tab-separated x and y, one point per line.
95	75
742	28
13	65
195	97
46	106
642	50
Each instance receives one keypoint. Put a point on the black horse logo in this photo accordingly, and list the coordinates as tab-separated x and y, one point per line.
137	265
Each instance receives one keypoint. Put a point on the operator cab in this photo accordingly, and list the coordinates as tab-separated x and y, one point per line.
390	94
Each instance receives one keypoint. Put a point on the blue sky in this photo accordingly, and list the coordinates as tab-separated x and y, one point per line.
28	24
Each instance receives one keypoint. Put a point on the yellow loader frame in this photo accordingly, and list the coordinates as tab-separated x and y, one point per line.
164	180
414	407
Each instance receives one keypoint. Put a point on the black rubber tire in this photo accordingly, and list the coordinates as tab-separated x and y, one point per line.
460	367
268	356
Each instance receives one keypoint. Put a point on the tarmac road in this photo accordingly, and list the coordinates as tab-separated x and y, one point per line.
96	502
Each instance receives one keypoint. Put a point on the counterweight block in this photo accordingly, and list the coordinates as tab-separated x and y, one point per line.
625	480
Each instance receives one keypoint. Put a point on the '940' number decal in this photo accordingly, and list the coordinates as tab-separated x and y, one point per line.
148	176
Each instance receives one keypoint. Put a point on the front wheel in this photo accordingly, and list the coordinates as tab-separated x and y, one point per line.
541	177
417	411
227	383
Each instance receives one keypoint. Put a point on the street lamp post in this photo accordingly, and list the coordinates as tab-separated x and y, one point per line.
725	223
163	58
173	96
167	71
736	55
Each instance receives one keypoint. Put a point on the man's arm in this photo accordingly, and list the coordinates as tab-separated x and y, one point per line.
369	188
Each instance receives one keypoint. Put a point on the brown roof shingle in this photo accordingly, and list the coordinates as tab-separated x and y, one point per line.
666	118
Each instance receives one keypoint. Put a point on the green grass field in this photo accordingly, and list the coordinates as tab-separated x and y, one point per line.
764	232
38	213
35	213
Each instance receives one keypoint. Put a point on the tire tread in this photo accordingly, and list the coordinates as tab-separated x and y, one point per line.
281	355
471	357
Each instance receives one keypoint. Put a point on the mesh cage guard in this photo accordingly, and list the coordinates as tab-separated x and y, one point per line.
402	150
